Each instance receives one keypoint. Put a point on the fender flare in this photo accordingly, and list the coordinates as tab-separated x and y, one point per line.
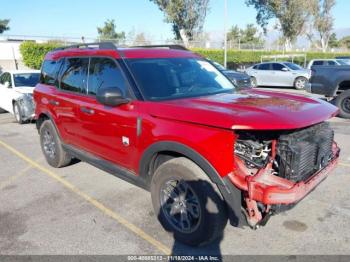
231	194
182	149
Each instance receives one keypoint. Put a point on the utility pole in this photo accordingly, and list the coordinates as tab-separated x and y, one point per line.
225	34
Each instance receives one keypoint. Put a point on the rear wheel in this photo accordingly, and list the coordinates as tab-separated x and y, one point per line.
300	83
51	146
17	111
187	203
343	103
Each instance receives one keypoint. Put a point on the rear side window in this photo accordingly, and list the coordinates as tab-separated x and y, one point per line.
264	67
74	75
104	73
331	63
49	72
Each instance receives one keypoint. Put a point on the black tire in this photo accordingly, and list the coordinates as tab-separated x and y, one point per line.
208	216
343	103
17	112
51	146
300	82
253	81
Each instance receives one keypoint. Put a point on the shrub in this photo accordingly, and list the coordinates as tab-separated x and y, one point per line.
236	58
33	53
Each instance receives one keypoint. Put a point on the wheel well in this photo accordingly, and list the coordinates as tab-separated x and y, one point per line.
42	117
160	158
345	85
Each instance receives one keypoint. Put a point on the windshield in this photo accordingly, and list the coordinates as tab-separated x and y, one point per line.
343	61
171	78
294	66
26	79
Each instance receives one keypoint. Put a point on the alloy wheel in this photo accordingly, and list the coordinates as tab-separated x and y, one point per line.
49	144
180	205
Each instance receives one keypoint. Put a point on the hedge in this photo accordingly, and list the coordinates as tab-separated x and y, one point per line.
236	58
33	55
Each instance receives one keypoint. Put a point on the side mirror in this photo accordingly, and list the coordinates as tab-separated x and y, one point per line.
7	84
111	96
284	69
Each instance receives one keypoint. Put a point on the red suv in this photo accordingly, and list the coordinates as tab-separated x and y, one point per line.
167	120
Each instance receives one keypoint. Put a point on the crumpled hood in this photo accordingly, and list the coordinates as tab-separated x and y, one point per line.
248	109
24	89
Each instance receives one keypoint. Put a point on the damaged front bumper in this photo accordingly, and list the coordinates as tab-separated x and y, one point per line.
268	190
27	105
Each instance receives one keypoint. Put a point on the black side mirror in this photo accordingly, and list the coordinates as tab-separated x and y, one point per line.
111	96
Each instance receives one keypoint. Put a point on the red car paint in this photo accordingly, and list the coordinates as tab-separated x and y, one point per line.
205	124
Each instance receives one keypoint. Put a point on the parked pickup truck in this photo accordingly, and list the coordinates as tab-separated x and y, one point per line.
334	83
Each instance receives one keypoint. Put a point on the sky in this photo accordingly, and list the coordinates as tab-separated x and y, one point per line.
76	18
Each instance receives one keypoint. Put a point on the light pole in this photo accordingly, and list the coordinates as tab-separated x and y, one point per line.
225	34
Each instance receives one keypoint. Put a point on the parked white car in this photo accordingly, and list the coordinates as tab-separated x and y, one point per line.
279	74
16	93
326	62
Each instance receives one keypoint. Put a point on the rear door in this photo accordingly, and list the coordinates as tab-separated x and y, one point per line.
107	132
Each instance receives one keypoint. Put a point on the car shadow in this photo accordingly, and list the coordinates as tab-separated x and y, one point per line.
210	251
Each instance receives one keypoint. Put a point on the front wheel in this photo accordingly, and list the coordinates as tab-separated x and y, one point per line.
343	103
187	203
17	111
300	83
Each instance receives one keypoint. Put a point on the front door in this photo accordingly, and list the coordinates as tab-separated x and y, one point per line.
107	132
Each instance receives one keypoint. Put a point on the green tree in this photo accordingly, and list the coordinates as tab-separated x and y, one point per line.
249	35
291	16
345	42
140	39
234	34
322	21
108	31
186	16
333	41
4	25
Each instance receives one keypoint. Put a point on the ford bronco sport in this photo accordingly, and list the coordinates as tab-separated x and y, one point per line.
168	121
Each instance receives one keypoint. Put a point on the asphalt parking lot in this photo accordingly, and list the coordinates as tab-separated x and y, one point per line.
82	210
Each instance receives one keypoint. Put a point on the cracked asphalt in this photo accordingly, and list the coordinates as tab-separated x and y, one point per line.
82	210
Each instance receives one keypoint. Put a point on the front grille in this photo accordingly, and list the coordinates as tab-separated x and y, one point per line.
300	154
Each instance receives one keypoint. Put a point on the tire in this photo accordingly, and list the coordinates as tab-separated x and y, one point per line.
254	82
299	83
2	111
343	103
17	112
208	217
51	146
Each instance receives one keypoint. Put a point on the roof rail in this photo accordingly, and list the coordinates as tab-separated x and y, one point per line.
100	45
177	47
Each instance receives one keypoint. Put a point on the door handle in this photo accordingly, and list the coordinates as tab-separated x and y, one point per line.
54	103
87	110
